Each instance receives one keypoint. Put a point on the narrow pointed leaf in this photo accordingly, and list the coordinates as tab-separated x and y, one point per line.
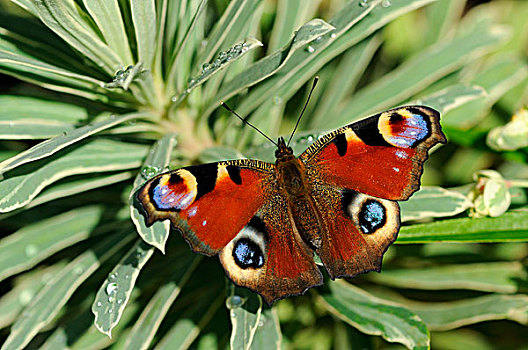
268	65
113	295
51	146
245	313
144	17
35	242
268	334
433	202
450	315
210	69
49	301
187	328
452	97
97	155
375	316
107	15
500	277
148	323
65	21
232	21
512	226
425	68
24	290
71	188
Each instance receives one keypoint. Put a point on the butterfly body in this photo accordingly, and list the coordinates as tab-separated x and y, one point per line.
337	200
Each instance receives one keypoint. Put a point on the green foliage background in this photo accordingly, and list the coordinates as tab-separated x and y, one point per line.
116	91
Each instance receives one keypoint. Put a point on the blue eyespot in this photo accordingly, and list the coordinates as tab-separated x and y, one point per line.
248	254
372	216
415	129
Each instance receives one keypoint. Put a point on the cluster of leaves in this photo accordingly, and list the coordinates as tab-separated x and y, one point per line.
120	90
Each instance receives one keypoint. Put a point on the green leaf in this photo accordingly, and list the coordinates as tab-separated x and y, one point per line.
71	188
510	227
24	290
290	16
194	318
500	76
210	69
64	19
113	295
433	202
148	323
443	316
107	15
245	313
144	17
89	157
51	146
268	65
157	160
176	69
345	78
23	117
452	97
441	17
375	316
26	67
500	277
35	242
79	334
233	20
50	300
422	70
268	334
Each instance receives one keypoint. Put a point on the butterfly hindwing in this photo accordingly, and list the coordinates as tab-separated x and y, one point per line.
381	156
208	203
268	255
358	229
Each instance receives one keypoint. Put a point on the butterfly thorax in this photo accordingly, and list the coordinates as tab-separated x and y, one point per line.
294	185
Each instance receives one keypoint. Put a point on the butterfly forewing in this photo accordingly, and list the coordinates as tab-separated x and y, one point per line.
381	156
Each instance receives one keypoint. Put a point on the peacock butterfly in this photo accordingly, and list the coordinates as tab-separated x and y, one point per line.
337	199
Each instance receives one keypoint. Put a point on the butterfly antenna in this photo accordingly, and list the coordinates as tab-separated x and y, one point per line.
316	79
248	123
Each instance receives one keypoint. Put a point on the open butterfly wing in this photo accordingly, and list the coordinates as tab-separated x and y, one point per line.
381	156
268	255
359	229
208	203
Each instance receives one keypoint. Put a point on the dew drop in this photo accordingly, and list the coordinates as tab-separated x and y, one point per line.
110	311
99	304
234	301
310	49
119	301
25	297
204	43
149	171
363	3
333	35
31	250
386	3
277	100
78	270
111	288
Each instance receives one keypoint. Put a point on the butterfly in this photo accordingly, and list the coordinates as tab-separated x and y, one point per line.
337	199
